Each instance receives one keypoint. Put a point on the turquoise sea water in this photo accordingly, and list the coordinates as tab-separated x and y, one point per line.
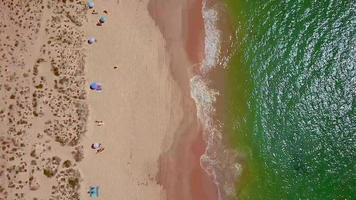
291	98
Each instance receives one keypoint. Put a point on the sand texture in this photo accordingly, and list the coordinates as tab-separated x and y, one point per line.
140	104
43	113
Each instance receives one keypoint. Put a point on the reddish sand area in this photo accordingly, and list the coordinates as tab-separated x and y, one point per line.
195	41
181	175
201	183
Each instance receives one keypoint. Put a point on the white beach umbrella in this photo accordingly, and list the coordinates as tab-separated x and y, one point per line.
91	40
95	145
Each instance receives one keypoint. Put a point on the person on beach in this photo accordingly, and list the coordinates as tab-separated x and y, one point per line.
100	150
99	122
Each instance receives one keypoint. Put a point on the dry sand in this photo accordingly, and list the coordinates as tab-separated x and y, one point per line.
140	104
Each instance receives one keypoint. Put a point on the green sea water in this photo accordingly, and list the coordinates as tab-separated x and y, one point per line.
291	98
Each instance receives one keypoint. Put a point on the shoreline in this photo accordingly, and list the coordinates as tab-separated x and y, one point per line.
145	56
212	162
181	173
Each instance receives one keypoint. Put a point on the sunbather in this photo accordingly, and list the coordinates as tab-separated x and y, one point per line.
99	123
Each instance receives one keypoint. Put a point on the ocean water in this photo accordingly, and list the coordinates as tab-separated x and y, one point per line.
290	98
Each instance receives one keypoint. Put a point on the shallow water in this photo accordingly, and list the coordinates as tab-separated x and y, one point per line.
291	98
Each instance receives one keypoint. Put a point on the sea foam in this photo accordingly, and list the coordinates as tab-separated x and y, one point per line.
219	162
211	40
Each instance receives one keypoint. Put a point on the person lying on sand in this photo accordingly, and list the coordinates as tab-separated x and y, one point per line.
100	150
94	12
99	122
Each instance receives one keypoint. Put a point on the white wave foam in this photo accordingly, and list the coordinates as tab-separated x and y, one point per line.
205	98
217	161
212	38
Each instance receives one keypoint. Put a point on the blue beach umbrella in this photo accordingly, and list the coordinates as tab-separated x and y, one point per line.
103	19
95	86
91	4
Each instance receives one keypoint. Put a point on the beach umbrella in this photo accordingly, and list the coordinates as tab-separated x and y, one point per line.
90	4
95	145
103	19
95	86
91	40
94	192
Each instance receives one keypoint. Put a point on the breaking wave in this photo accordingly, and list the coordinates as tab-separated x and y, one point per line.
218	161
212	38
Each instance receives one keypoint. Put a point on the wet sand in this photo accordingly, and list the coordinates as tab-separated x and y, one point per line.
181	174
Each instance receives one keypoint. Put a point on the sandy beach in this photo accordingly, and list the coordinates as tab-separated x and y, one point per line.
144	118
176	100
140	104
150	130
